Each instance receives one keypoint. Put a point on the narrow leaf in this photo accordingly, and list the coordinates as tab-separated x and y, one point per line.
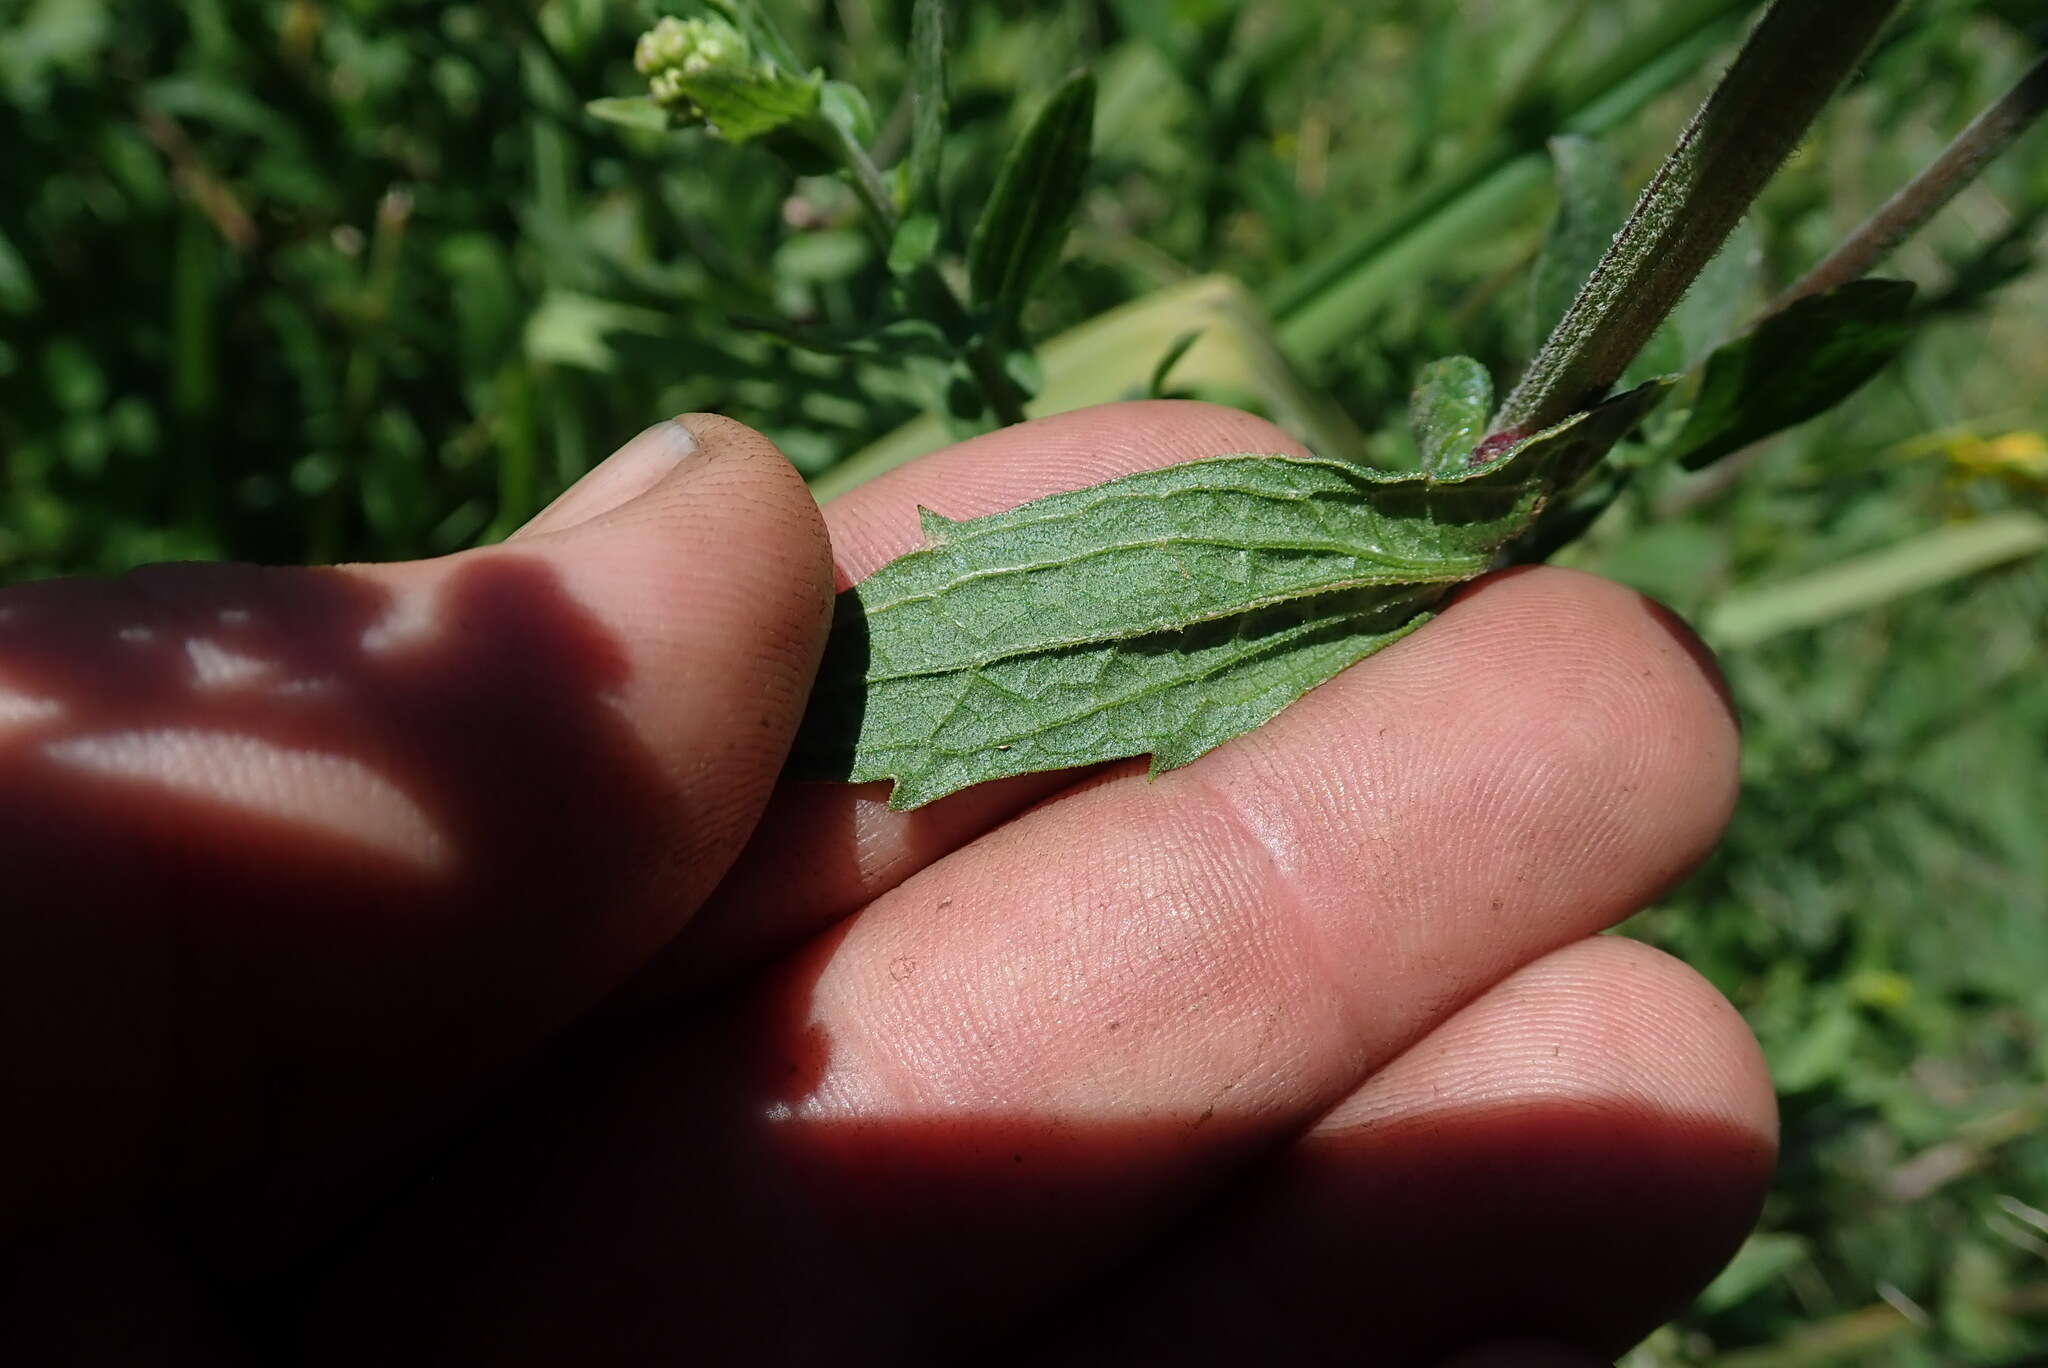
1171	358
1592	202
632	111
1025	222
896	339
1162	613
1165	548
1796	365
1861	583
1448	411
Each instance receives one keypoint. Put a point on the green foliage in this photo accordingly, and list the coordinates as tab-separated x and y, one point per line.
1175	695
1797	364
1453	399
1159	614
292	280
1025	222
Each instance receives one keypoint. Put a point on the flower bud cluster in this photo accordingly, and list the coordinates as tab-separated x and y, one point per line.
677	51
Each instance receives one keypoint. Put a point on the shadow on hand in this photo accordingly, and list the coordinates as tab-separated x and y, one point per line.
283	848
698	1195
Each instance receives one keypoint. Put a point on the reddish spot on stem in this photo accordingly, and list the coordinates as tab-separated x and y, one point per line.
1496	444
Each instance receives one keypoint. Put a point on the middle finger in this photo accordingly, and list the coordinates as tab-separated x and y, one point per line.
1008	1075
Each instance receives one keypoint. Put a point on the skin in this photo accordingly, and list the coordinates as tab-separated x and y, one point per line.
419	963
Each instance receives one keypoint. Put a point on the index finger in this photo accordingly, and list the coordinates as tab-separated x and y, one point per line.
824	851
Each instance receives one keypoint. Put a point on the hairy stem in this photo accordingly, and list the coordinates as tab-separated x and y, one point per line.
1799	55
1906	212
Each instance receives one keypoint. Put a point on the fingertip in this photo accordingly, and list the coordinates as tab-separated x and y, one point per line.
626	474
1620	719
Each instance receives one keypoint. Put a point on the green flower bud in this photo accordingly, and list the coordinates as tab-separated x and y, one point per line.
707	71
677	52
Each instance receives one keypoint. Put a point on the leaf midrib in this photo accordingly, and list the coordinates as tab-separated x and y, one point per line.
929	740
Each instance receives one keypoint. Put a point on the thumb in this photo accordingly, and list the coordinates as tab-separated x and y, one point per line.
286	849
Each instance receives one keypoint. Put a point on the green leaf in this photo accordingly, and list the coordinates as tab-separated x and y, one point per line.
1797	364
571	329
915	243
632	111
1175	695
1167	547
1583	441
1762	1260
1163	372
1448	411
929	103
1592	202
1025	222
1162	613
17	284
1021	368
847	108
895	340
741	106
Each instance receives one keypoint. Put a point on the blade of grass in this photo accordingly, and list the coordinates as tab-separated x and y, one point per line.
1329	299
1747	617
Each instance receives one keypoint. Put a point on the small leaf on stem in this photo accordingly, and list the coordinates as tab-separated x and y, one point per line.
915	242
1024	225
1795	365
632	111
1448	411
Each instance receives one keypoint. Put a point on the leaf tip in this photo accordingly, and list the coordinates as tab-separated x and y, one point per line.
937	527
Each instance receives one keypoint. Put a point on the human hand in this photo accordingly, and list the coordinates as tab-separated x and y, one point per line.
402	969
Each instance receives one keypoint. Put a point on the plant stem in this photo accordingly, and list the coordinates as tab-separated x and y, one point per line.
868	185
1960	163
1799	55
883	219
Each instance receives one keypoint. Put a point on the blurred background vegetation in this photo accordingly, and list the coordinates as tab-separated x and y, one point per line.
296	280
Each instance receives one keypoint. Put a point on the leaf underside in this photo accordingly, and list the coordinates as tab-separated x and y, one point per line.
1452	401
1159	614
